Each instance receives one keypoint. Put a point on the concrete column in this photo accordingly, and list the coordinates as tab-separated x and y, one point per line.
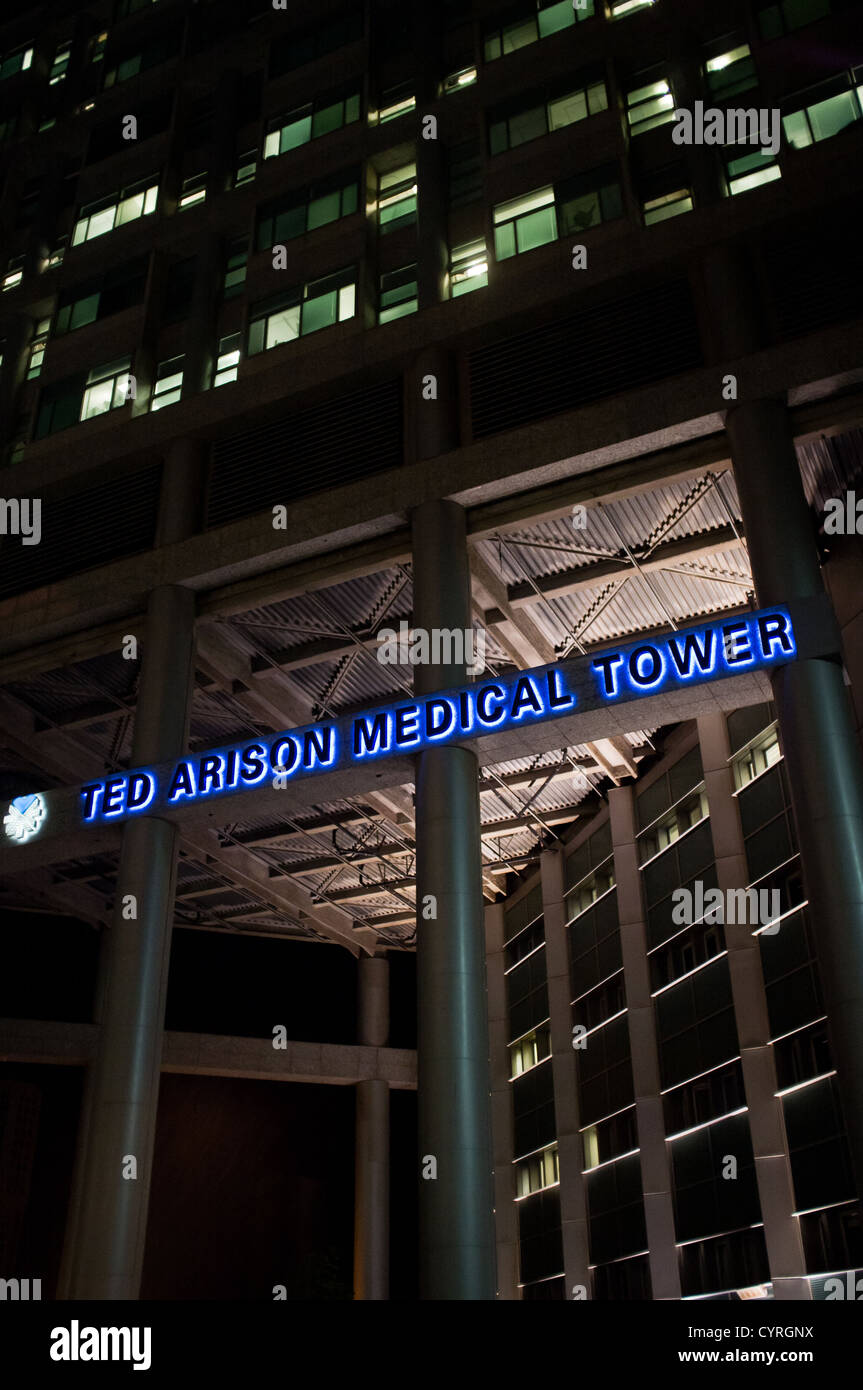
456	1206
503	1148
108	1252
843	574
573	1199
766	1120
372	1189
816	724
655	1158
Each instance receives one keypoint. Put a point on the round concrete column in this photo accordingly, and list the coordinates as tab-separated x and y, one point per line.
372	1175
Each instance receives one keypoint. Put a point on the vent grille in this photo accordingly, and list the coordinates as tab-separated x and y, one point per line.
598	352
333	444
84	530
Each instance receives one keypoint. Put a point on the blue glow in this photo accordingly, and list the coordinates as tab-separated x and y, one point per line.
693	660
435	731
277	757
498	694
526	697
737	649
637	678
183	782
376	732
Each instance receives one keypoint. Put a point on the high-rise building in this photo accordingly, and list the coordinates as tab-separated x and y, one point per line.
359	352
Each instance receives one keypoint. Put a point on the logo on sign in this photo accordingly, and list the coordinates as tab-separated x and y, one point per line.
24	818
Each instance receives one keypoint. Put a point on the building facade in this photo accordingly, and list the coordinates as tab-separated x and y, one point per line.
439	319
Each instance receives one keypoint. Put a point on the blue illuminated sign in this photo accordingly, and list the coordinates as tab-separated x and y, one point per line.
638	670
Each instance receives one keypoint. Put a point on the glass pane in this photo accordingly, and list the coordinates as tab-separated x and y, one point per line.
797	131
536	229
323	210
84	311
829	117
597	98
397	311
581	213
289	224
556	17
519	35
80	232
283	327
128	210
328	119
347	302
320	312
504	241
527	125
271	144
97	399
800	12
567	110
256	339
297	133
352	109
491	48
497	137
101	222
349	199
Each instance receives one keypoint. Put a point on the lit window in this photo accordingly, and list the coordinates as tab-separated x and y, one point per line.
528	1051
397	101
235	269
308	209
246	168
98	218
731	72
398	294
540	21
194	191
397	198
468	268
622	9
97	47
14	274
297	312
822	119
310	122
776	20
60	64
537	1172
587	890
669	827
761	754
524	223
37	349
56	255
650	106
47	124
169	383
457	81
668	205
551	115
15	62
751	171
227	360
107	388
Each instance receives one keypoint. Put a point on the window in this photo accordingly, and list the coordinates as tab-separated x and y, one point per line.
235	268
297	312
622	9
98	218
37	349
115	291
169	383
194	191
308	122
537	1172
649	106
820	119
56	254
564	110
76	314
688	812
107	388
731	72
246	168
395	102
459	80
60	64
545	18
761	754
308	209
397	198
464	174
398	294
524	223
589	199
776	20
97	46
585	894
533	1048
14	274
15	62
227	360
751	171
129	67
468	268
667	205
